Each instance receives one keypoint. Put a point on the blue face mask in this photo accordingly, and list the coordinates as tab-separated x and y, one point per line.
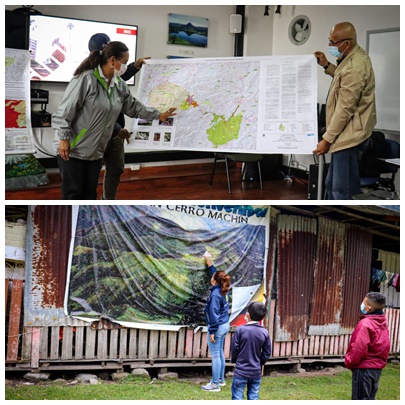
363	308
334	51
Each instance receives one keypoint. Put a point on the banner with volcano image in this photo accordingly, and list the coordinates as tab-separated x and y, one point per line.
143	266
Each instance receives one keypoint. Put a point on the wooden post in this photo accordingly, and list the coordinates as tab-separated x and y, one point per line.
36	340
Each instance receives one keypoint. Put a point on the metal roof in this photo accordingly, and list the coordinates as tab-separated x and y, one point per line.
382	221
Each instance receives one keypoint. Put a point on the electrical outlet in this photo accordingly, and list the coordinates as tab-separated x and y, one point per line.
135	167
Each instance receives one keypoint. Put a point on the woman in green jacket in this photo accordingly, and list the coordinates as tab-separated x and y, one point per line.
86	116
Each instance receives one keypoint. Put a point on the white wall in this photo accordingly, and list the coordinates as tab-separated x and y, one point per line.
258	31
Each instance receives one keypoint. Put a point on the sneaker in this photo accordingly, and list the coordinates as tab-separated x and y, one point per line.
222	383
211	387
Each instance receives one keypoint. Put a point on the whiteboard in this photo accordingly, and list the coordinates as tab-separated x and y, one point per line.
383	48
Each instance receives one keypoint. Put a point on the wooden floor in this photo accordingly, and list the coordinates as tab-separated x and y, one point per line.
180	182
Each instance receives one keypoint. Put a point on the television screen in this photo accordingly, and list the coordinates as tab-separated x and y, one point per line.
58	45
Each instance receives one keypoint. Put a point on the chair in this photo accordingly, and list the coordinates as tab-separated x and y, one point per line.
244	158
389	150
321	120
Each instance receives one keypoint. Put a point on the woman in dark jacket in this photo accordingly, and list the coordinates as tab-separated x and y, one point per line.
217	318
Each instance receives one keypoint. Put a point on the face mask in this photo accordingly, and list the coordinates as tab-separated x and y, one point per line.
334	51
122	70
363	308
246	319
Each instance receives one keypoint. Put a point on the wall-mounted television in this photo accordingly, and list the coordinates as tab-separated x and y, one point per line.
58	45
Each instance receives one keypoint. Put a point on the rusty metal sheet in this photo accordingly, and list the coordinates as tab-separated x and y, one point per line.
357	274
48	243
270	269
14	319
295	273
327	300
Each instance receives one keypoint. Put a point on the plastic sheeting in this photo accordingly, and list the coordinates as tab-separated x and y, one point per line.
144	264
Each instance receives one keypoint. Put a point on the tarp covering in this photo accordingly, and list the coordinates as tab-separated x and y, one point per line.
144	264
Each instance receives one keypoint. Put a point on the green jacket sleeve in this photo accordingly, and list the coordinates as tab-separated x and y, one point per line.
73	99
134	108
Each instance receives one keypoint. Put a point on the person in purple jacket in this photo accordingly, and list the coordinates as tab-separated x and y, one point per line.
250	348
369	347
216	314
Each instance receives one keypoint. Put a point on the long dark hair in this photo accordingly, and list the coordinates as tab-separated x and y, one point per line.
223	280
114	48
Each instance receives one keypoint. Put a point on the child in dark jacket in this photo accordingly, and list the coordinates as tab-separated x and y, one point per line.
250	348
369	347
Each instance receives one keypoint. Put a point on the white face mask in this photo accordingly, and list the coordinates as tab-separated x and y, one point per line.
121	71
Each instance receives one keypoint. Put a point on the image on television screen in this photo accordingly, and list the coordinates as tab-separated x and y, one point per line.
58	45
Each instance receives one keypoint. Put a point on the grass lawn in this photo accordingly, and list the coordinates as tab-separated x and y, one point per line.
290	387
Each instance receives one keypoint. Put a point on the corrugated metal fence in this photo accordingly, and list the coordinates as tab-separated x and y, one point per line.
322	268
81	347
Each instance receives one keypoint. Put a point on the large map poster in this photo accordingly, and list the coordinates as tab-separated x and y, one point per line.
251	105
143	266
18	132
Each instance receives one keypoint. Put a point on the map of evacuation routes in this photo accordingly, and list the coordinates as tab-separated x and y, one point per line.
250	104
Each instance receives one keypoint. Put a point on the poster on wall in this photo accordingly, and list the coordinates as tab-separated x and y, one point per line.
188	30
249	105
18	131
144	266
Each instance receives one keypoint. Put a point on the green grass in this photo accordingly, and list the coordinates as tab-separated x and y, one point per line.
291	387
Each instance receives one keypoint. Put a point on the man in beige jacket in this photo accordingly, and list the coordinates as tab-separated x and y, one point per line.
350	111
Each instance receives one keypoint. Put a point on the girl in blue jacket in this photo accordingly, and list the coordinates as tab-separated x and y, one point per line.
217	319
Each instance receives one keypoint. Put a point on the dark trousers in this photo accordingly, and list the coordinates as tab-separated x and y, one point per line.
343	178
365	383
79	178
114	159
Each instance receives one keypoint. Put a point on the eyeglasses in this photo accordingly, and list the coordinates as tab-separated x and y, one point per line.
335	43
